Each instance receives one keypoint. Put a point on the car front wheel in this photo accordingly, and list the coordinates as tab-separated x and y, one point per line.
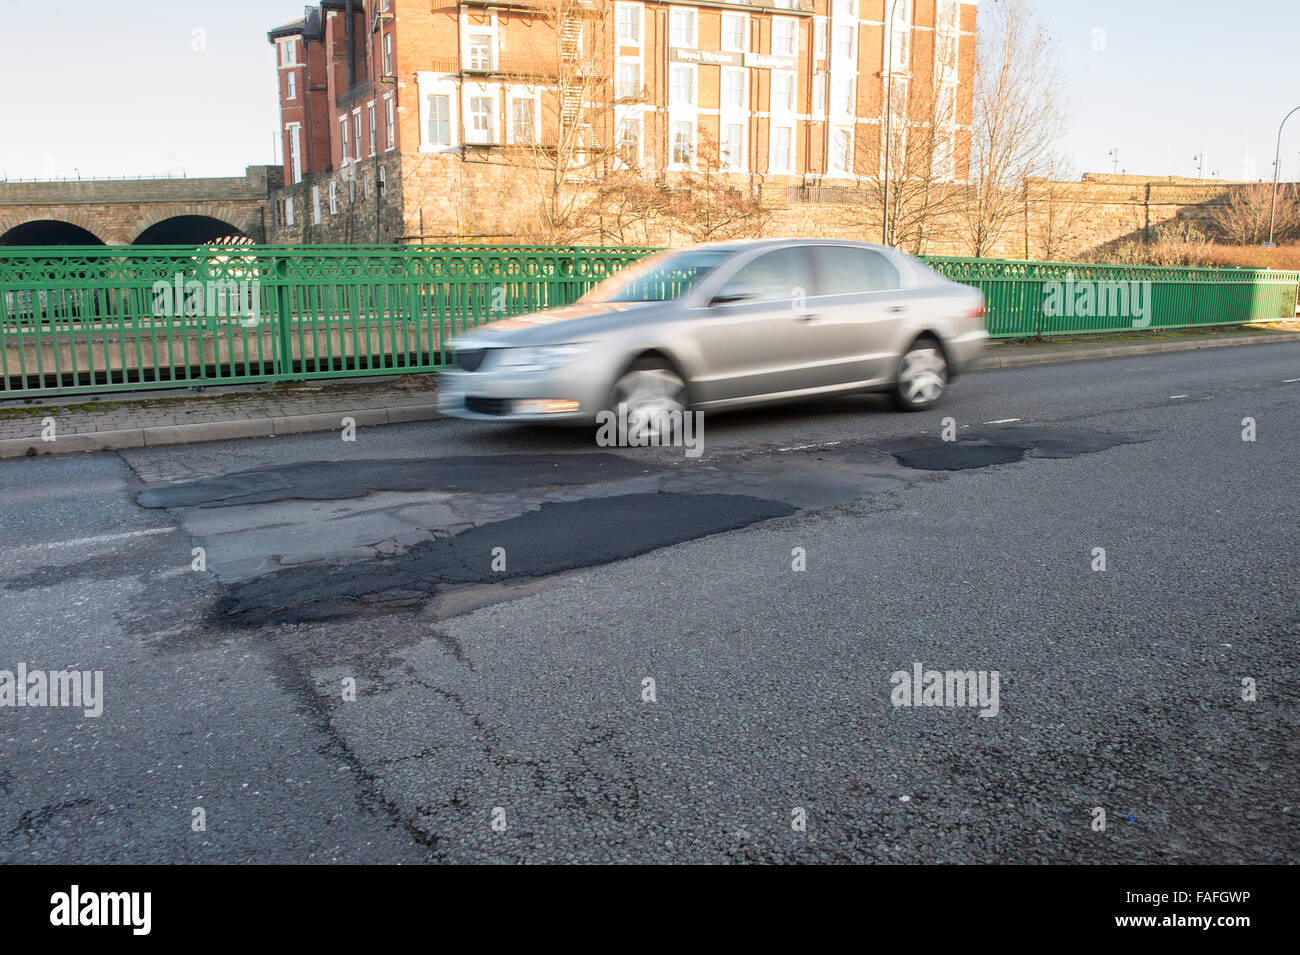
653	397
922	376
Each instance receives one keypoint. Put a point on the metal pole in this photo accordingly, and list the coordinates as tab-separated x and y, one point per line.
1277	168
889	117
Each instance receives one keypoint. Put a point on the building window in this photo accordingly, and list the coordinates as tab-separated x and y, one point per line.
733	146
315	204
627	23
343	135
374	129
733	32
846	9
523	122
683	143
289	51
295	152
682	86
334	198
733	89
390	124
439	119
784	4
782	136
783	37
783	92
944	153
819	94
388	54
480	52
629	142
947	17
842	151
288	211
293	87
356	125
843	49
899	30
629	81
842	97
480	119
820	28
682	27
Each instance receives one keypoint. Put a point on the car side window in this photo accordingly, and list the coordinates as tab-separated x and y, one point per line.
777	276
842	270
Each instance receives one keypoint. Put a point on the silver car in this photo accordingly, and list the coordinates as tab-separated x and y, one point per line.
725	325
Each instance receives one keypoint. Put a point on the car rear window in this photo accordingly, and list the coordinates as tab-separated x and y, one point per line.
842	269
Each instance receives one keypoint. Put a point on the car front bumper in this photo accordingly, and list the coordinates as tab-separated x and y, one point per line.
570	393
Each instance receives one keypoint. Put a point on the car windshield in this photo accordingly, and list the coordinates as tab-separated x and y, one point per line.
659	278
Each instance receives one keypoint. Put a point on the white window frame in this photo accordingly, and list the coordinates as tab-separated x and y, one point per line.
837	167
489	64
291	81
793	24
390	123
622	123
626	62
735	163
744	32
620	9
773	167
849	109
288	210
675	15
343	138
315	205
517	94
374	127
437	84
673	164
679	69
388	54
733	73
790	106
840	31
356	129
481	91
334	198
295	150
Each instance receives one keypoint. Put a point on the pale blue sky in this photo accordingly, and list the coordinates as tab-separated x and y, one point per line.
120	89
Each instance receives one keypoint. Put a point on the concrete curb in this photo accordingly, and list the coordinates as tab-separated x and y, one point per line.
1089	352
212	431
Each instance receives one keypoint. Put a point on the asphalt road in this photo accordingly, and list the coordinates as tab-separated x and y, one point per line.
501	597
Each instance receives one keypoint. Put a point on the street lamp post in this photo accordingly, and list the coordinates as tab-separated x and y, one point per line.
1277	168
889	117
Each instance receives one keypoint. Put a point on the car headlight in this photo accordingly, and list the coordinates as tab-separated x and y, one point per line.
540	357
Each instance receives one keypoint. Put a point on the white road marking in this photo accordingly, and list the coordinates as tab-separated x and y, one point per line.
1002	421
101	539
1290	381
805	447
1177	396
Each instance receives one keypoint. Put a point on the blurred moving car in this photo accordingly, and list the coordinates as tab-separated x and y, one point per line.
724	326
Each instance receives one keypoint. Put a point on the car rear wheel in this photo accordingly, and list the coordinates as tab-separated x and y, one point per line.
922	376
649	393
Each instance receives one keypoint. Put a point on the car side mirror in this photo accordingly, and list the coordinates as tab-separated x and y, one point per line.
734	292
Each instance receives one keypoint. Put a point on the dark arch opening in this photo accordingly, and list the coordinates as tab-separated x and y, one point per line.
49	232
187	230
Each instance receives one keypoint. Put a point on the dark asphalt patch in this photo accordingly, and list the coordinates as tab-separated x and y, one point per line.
558	537
336	480
981	449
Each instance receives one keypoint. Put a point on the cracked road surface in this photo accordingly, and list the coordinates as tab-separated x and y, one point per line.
500	599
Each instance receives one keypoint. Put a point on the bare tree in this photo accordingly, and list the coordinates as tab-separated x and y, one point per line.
704	205
568	156
1018	117
1055	216
1243	219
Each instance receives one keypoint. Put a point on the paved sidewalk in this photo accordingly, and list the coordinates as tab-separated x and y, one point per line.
83	423
130	420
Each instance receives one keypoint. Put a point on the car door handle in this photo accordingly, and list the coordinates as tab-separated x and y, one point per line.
807	316
897	309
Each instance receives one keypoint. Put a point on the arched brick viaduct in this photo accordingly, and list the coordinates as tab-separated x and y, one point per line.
121	211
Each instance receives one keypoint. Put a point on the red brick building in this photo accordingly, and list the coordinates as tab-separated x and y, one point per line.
410	118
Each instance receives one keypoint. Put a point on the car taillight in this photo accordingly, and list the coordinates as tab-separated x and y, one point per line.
977	311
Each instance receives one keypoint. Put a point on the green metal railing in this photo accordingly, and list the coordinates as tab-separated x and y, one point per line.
1028	299
87	319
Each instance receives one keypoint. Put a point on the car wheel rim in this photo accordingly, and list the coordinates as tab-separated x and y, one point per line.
650	397
923	376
